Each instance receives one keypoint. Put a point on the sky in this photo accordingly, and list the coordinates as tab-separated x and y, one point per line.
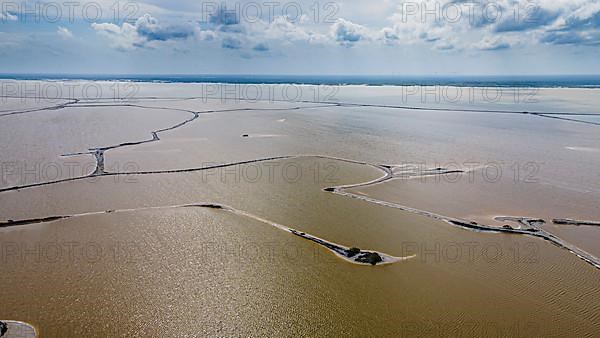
356	37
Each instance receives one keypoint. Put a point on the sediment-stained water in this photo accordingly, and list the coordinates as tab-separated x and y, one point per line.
188	240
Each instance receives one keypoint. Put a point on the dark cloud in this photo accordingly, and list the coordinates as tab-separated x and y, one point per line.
150	29
591	22
389	34
559	26
227	21
577	30
224	17
231	43
427	38
261	47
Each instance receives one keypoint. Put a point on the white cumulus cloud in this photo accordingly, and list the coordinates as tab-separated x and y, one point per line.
64	33
147	32
347	33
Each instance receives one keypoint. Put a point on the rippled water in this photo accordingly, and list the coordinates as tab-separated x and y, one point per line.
142	271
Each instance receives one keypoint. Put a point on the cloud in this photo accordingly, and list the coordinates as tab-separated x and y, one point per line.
491	44
226	21
261	47
556	22
280	28
231	43
591	38
261	34
5	16
488	25
150	29
389	36
224	17
64	33
584	17
408	23
580	27
147	32
444	46
347	33
237	33
122	38
526	21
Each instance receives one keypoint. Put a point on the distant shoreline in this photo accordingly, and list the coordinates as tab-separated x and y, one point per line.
550	81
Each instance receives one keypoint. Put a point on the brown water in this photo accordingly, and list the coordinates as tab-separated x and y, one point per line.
169	271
